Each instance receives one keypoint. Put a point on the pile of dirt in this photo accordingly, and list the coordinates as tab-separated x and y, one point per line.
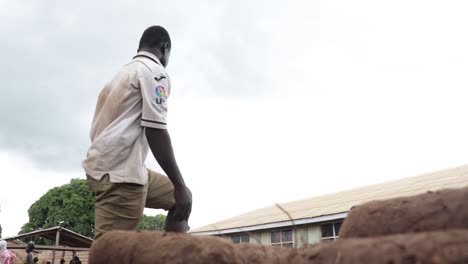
441	210
429	229
158	247
438	247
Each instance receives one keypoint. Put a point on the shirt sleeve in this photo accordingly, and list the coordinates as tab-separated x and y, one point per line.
154	92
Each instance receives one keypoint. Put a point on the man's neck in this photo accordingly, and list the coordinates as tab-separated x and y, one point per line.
155	52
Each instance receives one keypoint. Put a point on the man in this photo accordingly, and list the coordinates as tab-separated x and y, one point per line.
130	116
29	249
75	259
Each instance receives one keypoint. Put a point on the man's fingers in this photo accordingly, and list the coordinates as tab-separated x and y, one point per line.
179	214
182	211
189	211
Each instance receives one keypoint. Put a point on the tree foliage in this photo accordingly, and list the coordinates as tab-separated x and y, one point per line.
70	206
152	222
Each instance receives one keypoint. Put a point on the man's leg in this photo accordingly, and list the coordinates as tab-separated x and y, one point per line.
161	196
118	206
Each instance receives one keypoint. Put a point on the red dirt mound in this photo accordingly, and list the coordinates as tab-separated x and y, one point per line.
156	247
431	228
440	247
442	210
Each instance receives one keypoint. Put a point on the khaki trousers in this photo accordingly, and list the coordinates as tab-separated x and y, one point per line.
119	206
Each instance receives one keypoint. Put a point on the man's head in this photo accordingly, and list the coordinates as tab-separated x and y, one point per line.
30	247
156	40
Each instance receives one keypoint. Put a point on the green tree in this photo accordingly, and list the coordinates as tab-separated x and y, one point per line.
152	222
70	206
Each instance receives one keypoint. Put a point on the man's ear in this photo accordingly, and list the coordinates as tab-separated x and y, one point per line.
166	47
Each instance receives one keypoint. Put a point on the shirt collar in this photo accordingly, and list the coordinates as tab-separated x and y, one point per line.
148	55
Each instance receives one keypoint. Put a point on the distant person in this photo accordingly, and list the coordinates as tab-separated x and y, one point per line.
62	261
75	259
29	249
130	119
6	256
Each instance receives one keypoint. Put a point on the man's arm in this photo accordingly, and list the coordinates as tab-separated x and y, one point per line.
160	144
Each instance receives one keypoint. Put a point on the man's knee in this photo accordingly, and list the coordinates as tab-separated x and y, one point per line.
160	191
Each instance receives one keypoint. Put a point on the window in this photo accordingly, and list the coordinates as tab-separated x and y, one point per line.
282	238
240	238
330	231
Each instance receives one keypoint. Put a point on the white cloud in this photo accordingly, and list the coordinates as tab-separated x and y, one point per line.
22	184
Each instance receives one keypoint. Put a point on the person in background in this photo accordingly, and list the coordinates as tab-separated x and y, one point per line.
6	256
75	259
29	249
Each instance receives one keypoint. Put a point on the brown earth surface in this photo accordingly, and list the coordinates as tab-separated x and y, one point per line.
437	247
441	210
158	247
431	228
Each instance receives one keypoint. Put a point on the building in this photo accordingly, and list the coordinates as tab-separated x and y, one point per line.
309	221
66	241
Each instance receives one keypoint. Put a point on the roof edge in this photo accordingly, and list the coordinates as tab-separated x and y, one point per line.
47	230
317	219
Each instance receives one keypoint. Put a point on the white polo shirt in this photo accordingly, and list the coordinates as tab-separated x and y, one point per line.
134	99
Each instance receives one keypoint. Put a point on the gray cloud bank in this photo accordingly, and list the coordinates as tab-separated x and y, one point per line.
57	55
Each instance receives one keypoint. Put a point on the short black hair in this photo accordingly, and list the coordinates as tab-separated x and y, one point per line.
30	247
153	37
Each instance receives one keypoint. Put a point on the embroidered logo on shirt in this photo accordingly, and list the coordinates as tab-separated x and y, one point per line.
161	94
159	78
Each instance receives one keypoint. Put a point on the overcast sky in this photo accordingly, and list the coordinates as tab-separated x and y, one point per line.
271	100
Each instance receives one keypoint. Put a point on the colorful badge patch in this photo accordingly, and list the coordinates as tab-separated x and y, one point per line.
160	91
160	94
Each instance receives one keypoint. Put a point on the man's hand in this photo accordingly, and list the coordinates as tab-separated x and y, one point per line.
183	203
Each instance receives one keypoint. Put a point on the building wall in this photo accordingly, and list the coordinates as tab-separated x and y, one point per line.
46	255
303	235
265	237
313	234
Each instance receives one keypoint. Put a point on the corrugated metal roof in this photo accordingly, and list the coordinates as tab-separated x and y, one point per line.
67	237
343	201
